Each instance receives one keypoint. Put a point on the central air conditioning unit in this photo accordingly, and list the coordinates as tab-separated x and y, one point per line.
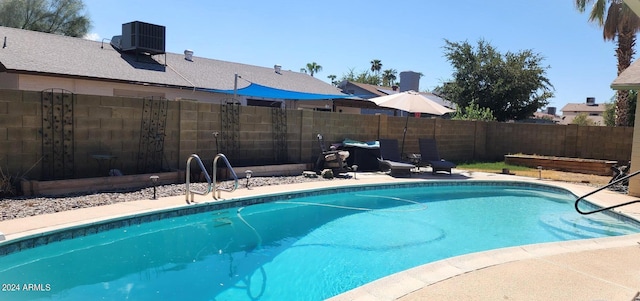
143	37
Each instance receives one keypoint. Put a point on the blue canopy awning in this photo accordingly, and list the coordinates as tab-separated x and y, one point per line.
257	90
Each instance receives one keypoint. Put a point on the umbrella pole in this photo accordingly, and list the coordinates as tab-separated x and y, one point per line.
404	134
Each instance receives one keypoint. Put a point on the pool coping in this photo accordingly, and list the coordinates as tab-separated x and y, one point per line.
388	288
400	285
39	238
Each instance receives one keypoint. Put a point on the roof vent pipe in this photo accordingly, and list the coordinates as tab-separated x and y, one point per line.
277	68
4	45
188	55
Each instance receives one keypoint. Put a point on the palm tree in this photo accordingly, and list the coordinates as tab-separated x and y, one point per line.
617	21
333	79
313	68
389	77
376	66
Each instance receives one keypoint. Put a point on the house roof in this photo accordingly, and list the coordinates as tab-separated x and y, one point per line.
373	89
377	91
598	120
48	54
582	107
629	79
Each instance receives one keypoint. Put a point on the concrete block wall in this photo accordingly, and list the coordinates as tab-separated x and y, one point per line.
106	126
111	125
595	142
20	139
208	123
172	156
334	128
634	182
188	131
457	140
256	137
532	139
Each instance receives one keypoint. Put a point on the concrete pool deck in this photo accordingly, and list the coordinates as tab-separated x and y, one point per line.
595	269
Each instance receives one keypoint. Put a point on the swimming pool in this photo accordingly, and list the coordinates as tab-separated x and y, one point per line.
297	248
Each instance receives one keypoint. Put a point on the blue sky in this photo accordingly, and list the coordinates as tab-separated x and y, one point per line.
405	35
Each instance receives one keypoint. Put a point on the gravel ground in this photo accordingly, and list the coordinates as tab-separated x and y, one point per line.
23	207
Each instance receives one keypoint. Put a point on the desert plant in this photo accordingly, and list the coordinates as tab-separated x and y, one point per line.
9	184
6	188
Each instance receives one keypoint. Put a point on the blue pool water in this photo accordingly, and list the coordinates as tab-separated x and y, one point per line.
308	248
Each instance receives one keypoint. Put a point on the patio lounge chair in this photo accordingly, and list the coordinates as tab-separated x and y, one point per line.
390	160
333	159
429	156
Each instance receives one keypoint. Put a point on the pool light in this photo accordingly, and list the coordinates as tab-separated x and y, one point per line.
248	176
154	181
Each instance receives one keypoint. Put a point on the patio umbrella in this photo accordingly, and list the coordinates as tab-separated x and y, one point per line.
413	102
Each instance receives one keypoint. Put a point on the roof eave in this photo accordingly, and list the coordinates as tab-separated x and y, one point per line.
111	80
625	86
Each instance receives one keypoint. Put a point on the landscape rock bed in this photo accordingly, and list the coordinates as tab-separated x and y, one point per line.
20	207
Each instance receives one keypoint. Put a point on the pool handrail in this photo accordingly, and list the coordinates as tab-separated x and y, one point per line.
188	178
602	188
233	173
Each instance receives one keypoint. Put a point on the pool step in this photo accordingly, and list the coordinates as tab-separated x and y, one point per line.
567	226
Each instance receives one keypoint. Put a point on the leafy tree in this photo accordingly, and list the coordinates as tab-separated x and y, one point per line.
368	78
609	114
52	16
473	112
512	85
389	77
313	68
363	77
633	102
583	119
618	22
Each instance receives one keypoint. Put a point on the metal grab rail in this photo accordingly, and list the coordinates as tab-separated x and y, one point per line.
188	178
235	177
605	187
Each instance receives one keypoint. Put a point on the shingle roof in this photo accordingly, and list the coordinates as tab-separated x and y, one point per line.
629	79
373	89
598	120
378	91
42	53
582	107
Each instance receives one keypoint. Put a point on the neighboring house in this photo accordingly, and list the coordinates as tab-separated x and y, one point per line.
546	116
367	91
36	61
593	111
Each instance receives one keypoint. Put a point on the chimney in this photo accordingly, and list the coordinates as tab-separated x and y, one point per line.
551	110
409	80
277	68
188	55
